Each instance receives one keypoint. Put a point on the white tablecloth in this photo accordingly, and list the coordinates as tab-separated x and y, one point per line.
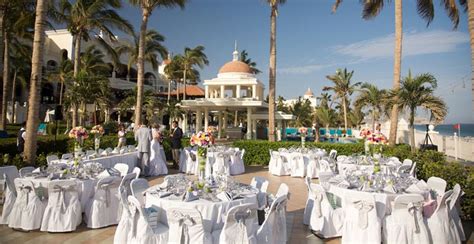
213	213
131	159
342	167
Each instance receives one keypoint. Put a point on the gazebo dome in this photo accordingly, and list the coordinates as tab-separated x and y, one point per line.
309	93
235	66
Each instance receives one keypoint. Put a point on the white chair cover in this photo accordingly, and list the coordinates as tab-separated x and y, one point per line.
67	156
408	162
137	172
237	163
138	186
28	209
333	154
262	185
51	158
273	161
273	229
309	202
437	185
240	226
125	223
282	165
187	227
123	168
441	227
157	165
325	220
141	232
26	170
324	166
221	165
63	212
406	224
297	165
8	174
454	211
361	224
191	165
283	190
182	160
102	209
312	169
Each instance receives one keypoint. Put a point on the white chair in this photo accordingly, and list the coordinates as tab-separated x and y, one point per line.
123	168
454	209
262	185
67	156
309	202
273	229
312	169
437	185
282	164
142	231
408	162
240	226
102	209
297	165
63	212
441	226
325	176
361	224
222	165
191	166
182	160
52	159
273	161
404	170
25	171
326	221
324	166
137	172
8	174
28	209
125	223
333	154
413	170
187	226
283	190
138	186
237	163
405	224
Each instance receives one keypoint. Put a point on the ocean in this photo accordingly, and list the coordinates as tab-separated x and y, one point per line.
467	130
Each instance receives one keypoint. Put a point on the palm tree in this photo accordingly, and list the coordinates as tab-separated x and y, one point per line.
302	110
153	48
272	69
324	116
63	74
174	112
191	58
83	16
418	92
147	7
175	72
325	100
253	66
342	88
371	97
21	68
35	83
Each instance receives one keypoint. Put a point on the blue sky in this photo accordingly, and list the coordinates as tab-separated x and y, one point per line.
312	43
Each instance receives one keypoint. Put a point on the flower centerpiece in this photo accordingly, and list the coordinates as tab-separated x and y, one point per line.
98	132
202	140
78	133
303	132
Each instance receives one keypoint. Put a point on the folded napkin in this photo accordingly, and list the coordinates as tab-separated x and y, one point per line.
224	196
37	170
104	153
344	184
390	189
413	189
115	151
189	197
122	151
422	185
164	194
103	174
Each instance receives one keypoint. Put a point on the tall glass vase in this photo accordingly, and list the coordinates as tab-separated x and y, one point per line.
96	143
78	148
202	153
303	140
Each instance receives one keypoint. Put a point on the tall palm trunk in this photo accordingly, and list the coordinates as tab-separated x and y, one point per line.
61	90
35	84
272	75
177	91
396	69
6	76
344	108
2	33
470	12
13	96
412	129
184	82
169	92
373	120
77	62
140	67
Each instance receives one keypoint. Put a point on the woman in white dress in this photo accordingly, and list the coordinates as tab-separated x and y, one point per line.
157	164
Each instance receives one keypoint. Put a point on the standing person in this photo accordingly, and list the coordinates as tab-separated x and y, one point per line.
122	141
143	137
176	135
157	162
20	140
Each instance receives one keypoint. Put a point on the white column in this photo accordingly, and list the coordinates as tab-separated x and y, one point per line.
206	118
249	123
207	91
224	122
185	123
254	129
254	91
219	132
238	92
222	91
198	120
236	118
279	129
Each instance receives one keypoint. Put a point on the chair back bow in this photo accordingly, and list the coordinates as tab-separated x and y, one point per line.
413	208
25	196
364	208
61	190
241	217
318	198
106	188
184	221
135	215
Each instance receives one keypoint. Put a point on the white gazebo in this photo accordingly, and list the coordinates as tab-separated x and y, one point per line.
235	89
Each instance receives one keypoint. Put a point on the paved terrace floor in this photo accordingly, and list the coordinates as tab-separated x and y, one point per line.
297	232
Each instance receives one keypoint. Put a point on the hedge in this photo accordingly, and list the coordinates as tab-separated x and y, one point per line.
429	163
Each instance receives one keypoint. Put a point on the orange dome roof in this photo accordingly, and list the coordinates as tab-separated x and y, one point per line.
235	66
309	92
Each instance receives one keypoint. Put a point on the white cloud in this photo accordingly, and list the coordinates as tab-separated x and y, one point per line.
304	69
414	43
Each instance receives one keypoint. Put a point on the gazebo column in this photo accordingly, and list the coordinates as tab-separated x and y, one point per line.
254	91
198	120
279	129
219	132
236	118
185	122
222	91
224	122
206	91
206	118
254	129
283	136
237	95
249	123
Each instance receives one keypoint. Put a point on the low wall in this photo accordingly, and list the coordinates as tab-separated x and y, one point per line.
449	144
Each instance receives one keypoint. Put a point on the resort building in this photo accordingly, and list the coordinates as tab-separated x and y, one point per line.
235	90
308	95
